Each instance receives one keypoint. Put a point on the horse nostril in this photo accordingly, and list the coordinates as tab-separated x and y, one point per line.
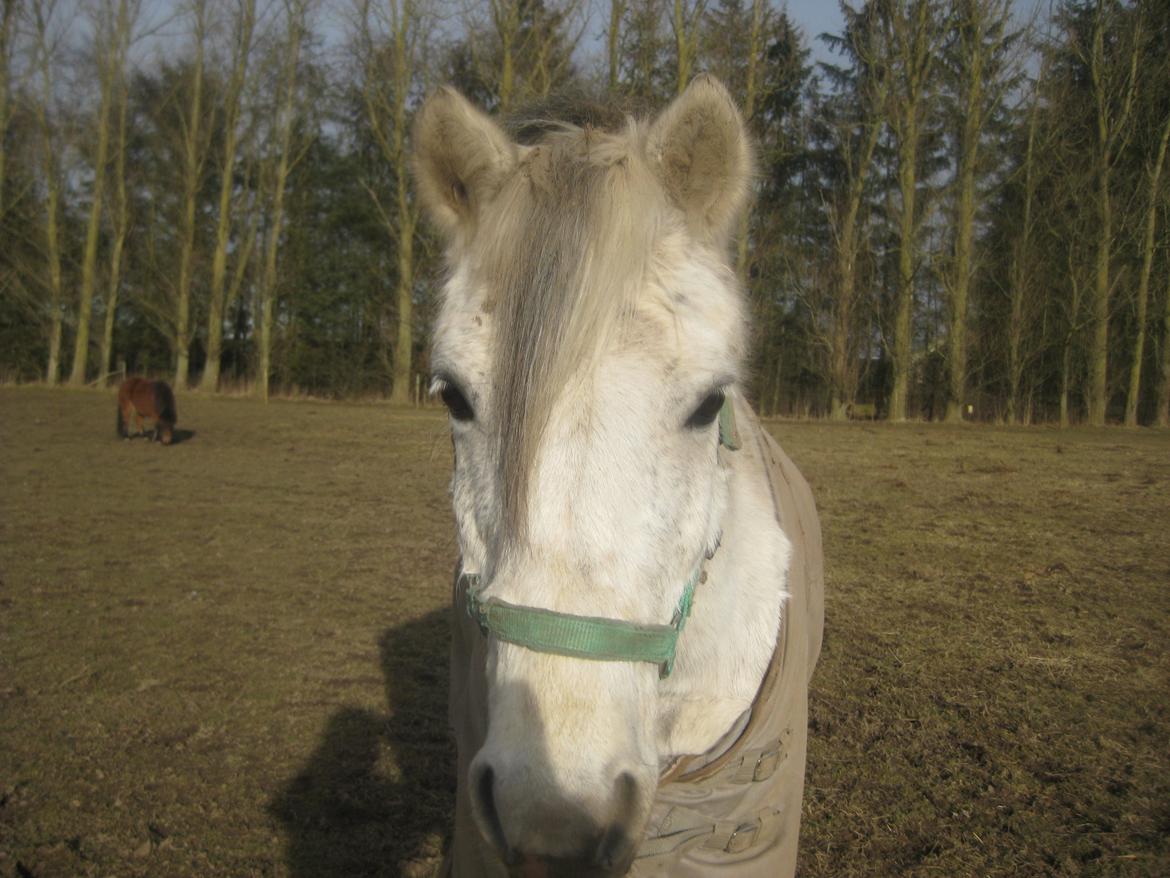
483	793
617	843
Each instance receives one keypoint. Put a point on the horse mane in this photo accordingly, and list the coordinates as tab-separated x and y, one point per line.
564	247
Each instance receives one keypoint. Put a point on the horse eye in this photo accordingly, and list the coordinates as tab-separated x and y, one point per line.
707	411
456	402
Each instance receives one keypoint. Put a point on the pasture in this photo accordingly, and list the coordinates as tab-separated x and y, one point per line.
228	657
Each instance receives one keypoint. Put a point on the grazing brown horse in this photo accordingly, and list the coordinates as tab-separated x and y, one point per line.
147	399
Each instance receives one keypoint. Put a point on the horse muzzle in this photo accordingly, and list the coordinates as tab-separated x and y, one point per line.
543	836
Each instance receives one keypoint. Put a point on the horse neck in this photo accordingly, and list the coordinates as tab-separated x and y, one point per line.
729	640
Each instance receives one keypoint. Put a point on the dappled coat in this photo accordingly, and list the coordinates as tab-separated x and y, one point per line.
735	810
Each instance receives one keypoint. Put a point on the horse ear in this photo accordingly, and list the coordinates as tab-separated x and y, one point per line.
460	157
700	149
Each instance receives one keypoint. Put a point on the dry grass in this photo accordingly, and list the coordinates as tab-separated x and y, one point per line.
228	658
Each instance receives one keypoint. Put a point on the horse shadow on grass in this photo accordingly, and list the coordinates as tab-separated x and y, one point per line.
178	435
377	795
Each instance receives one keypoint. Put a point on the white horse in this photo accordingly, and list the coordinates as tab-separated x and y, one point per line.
590	347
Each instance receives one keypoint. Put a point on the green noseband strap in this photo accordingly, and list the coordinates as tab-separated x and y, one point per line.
590	637
587	637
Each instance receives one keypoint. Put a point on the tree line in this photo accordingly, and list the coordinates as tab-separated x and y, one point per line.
959	213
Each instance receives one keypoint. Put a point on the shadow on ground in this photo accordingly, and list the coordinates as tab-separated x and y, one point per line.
378	794
176	437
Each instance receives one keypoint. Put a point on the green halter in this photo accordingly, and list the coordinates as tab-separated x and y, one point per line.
590	637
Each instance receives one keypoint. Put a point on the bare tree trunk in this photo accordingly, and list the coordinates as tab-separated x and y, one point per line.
297	12
1153	179
912	36
107	48
194	155
404	348
120	211
842	368
386	90
1162	414
527	34
1112	124
43	11
1099	348
1020	270
7	33
900	353
777	376
233	99
961	281
1065	368
112	295
1069	338
613	41
755	47
685	22
856	139
506	20
979	28
1015	331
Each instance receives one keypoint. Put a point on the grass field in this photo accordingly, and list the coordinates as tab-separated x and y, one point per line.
228	657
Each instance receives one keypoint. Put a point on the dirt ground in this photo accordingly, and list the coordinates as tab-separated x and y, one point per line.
228	657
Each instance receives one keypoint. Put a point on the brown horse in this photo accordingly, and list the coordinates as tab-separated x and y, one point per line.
147	399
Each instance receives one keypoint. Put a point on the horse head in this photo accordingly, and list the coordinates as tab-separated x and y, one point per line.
588	333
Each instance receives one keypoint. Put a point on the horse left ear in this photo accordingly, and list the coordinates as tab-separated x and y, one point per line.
700	149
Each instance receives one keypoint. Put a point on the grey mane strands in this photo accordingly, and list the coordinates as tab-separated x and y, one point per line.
564	247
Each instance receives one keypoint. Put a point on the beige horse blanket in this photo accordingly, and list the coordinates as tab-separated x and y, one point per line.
735	810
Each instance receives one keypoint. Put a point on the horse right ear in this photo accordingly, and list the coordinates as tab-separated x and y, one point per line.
460	158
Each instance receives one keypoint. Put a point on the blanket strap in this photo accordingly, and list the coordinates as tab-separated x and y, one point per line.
684	829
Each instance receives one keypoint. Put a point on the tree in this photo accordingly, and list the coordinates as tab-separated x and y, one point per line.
389	38
1022	244
1153	178
242	38
8	16
980	72
735	40
195	139
523	51
119	199
1152	140
47	37
111	29
686	20
1162	408
613	43
774	257
296	13
1106	50
911	36
853	122
643	72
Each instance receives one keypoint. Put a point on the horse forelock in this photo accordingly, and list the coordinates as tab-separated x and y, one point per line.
563	253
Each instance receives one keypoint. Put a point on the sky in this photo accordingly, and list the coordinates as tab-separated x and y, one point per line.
815	17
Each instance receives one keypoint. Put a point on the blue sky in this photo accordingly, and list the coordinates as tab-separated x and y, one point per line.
815	17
